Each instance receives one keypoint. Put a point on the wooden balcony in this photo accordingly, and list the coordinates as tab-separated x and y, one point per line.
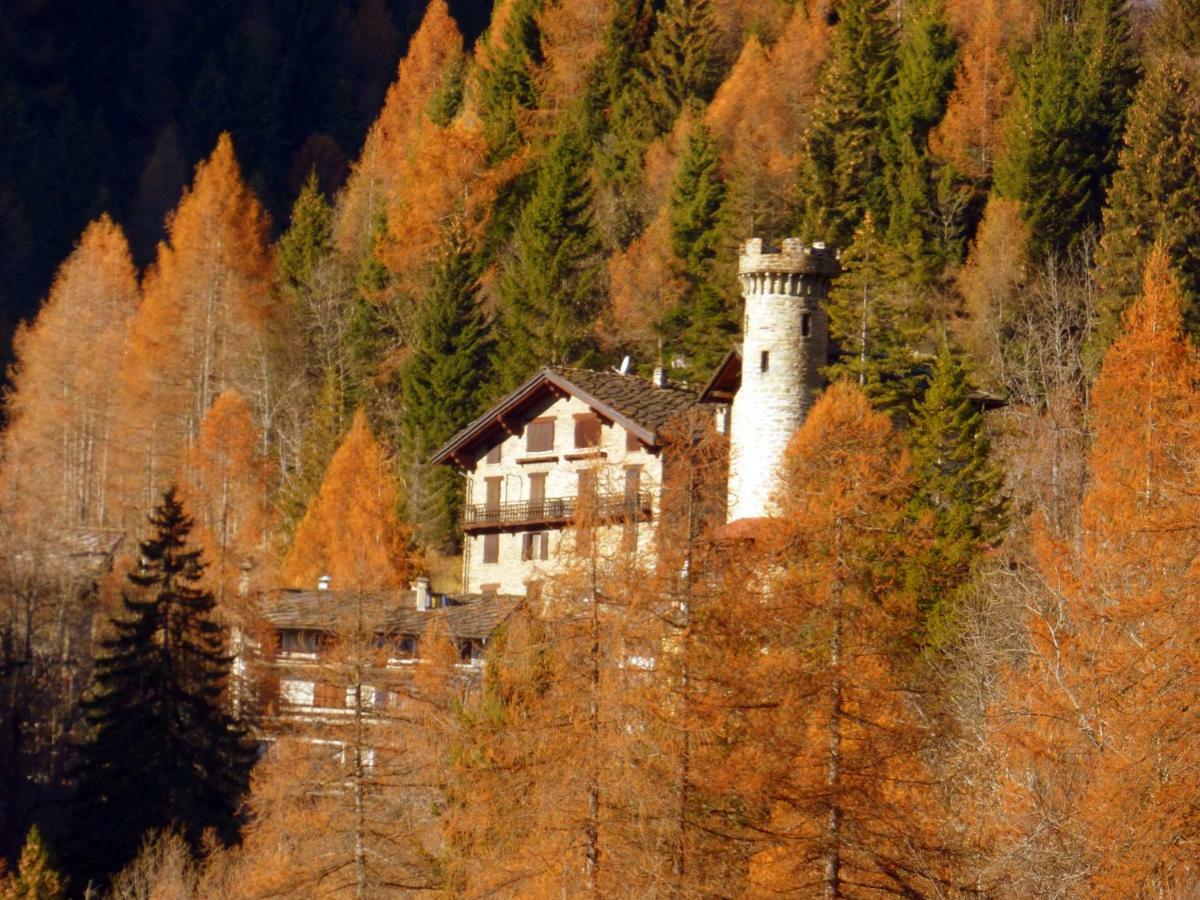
554	511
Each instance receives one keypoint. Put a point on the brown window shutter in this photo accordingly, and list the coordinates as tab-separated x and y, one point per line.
633	483
539	436
527	546
493	455
587	431
632	444
537	491
493	493
491	548
544	549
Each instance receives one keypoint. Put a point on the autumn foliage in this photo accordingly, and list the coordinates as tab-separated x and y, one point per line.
351	531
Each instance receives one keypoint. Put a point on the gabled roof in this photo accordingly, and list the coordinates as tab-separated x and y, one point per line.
394	612
636	404
726	378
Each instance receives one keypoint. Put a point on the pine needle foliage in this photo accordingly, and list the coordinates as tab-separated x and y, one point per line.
440	383
161	749
841	176
37	877
958	488
548	290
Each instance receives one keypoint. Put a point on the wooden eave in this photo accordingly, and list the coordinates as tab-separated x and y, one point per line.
725	380
456	451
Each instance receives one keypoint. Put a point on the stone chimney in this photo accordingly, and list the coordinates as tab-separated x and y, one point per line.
660	376
421	591
323	582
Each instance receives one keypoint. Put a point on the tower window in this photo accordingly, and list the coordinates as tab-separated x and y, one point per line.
805	325
764	362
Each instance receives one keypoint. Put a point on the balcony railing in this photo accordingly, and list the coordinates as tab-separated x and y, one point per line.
555	511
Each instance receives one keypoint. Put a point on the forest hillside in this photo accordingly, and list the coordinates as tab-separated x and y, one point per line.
958	662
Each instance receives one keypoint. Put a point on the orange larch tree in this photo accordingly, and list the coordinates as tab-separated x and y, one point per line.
58	446
351	531
836	736
1102	721
225	482
201	327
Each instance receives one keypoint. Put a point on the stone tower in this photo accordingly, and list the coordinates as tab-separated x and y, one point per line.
784	341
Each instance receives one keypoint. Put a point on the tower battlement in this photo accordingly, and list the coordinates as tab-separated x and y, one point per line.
791	256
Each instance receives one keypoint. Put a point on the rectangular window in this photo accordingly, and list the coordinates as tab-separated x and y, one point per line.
632	444
493	493
539	436
493	455
633	483
537	494
587	431
805	325
535	545
587	484
491	548
764	362
492	589
329	696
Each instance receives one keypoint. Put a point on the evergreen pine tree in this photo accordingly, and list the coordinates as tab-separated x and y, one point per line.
1155	194
37	877
958	488
872	324
1065	123
925	67
704	323
507	85
548	290
841	176
161	749
683	65
441	383
309	238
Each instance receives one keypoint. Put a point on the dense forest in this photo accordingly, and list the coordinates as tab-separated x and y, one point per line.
960	661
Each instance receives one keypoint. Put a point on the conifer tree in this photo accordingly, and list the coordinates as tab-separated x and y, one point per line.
161	750
853	808
1155	194
441	383
36	877
1065	123
683	65
548	289
873	324
957	491
351	531
507	82
925	65
309	238
841	175
704	323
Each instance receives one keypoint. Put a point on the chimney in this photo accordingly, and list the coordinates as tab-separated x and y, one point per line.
323	582
660	376
421	590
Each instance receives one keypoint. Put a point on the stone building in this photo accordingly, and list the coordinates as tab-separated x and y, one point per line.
564	437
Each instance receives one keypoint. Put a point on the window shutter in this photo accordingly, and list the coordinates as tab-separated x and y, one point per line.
587	431
493	455
539	436
491	548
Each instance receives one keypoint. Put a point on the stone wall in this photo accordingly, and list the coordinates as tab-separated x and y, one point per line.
784	347
561	466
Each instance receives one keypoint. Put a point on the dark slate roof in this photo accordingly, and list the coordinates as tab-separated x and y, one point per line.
635	403
395	611
637	399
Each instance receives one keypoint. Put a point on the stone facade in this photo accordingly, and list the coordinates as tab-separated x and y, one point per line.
560	469
785	343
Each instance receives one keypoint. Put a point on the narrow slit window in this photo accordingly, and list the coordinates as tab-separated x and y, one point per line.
805	325
764	363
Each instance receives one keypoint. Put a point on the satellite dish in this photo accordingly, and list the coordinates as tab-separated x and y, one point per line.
624	369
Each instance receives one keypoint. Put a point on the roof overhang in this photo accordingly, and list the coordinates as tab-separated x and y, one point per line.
726	379
455	451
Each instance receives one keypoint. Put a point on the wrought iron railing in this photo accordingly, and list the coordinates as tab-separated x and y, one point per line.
556	510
